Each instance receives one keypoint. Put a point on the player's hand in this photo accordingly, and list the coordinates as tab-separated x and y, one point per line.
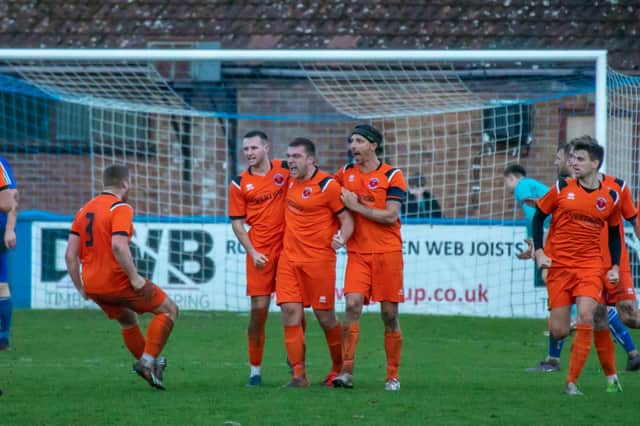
337	242
350	199
613	275
9	239
259	259
83	293
542	260
528	252
138	282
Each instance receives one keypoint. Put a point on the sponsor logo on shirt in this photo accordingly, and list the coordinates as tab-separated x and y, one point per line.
249	187
351	178
571	196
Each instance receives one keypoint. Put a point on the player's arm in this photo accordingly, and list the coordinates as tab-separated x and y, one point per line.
10	227
345	231
9	199
537	225
387	216
122	253
72	259
259	259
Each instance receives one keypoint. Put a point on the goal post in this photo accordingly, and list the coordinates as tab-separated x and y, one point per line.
452	121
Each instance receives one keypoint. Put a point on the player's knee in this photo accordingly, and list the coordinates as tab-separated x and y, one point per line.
170	308
560	331
390	318
600	320
626	312
4	290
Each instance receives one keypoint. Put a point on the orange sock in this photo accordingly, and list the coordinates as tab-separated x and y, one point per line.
294	342
134	340
605	350
334	341
393	349
157	334
349	343
579	351
255	336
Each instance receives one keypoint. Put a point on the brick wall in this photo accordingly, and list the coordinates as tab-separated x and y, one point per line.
447	150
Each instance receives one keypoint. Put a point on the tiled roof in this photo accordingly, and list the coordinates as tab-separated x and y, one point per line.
437	24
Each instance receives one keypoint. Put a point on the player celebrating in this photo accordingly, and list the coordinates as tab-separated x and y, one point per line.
571	259
99	240
8	218
374	192
316	225
256	198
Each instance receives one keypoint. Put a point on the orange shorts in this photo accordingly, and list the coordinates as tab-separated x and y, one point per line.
262	281
310	283
623	290
565	284
146	300
376	276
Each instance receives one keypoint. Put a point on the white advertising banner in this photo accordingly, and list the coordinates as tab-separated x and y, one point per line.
449	269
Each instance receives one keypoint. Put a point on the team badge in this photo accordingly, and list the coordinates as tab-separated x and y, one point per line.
373	183
306	192
278	179
601	203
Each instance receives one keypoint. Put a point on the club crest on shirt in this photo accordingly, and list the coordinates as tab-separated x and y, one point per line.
306	192
373	183
278	179
601	203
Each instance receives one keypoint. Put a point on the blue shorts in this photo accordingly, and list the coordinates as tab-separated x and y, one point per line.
4	265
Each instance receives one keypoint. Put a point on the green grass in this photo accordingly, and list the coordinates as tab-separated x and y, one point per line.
70	367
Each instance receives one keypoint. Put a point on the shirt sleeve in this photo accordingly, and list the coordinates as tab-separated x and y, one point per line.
339	176
397	190
7	180
237	202
333	192
122	219
75	225
614	218
627	205
549	202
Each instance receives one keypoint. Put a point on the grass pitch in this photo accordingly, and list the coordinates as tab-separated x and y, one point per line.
70	368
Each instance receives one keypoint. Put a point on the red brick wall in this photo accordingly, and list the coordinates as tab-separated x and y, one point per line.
446	149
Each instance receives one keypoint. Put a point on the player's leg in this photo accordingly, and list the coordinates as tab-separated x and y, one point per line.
387	288
357	290
6	306
290	299
256	336
260	285
621	333
582	339
152	299
392	343
604	347
333	335
292	313
131	333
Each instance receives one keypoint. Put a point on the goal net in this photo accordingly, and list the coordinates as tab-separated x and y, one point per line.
451	128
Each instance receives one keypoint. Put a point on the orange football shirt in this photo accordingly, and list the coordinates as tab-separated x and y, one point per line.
374	189
95	223
629	212
259	200
578	219
310	218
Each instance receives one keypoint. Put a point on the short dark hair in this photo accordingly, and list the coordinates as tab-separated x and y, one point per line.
114	175
565	147
370	133
259	133
516	170
589	144
309	146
